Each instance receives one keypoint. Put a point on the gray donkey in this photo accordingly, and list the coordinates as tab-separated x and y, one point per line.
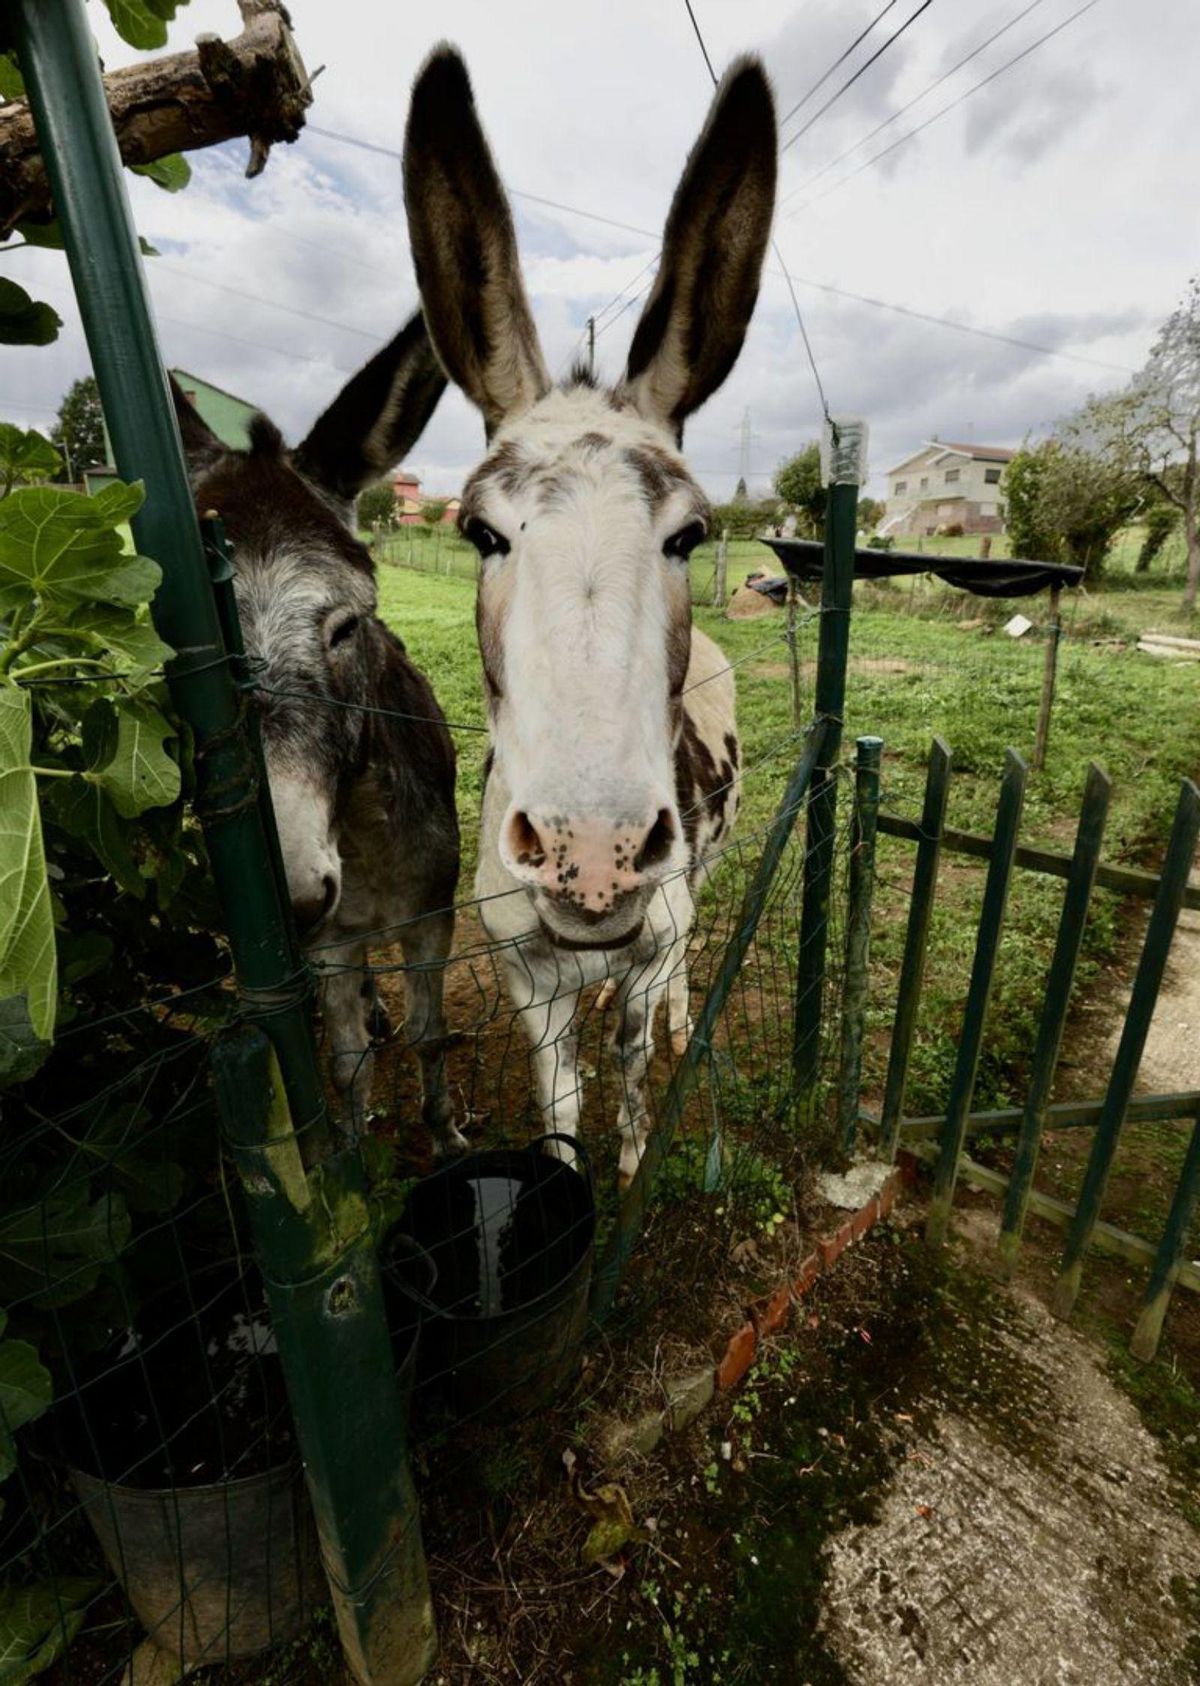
360	763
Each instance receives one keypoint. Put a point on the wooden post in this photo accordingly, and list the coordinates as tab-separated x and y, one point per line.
1049	675
793	600
1171	1253
719	569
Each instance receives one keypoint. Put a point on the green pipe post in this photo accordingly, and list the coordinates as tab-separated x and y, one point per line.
636	1200
979	992
66	93
1164	916
336	1373
1061	980
916	943
314	1236
869	751
1171	1251
843	452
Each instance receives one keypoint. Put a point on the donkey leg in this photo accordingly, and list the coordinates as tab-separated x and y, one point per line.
548	1022
344	1010
426	946
679	1017
642	994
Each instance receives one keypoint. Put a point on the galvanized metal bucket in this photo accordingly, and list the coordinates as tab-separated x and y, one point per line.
511	1233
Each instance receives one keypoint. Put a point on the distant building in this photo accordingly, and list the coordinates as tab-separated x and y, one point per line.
407	488
944	485
227	415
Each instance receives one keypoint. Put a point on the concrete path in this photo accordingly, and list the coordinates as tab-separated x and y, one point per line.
998	1560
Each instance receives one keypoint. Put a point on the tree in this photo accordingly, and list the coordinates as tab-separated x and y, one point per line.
740	493
798	482
26	458
432	510
79	430
1067	504
1152	428
743	519
1159	521
377	506
870	513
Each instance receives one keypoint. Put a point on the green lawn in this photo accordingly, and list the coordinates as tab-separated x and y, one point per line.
921	662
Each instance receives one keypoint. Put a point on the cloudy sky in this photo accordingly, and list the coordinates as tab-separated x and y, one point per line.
1056	207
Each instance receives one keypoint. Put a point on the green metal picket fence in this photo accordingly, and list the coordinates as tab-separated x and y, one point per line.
942	1141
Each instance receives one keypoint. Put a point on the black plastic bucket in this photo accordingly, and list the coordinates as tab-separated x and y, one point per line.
179	1445
510	1232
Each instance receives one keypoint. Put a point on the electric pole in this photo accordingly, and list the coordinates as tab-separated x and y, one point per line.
591	331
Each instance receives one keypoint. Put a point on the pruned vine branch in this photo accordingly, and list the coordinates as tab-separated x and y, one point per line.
254	85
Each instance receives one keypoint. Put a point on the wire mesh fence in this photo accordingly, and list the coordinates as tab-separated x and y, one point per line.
151	1459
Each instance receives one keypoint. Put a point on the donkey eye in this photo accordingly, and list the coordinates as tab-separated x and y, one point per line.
683	542
343	630
485	539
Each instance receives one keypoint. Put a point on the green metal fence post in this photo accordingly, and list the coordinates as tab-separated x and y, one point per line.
858	935
916	941
636	1200
979	992
1059	983
1157	945
314	1237
340	1370
844	449
66	93
1171	1251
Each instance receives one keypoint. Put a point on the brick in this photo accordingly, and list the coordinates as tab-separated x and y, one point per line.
864	1219
888	1193
775	1310
809	1271
831	1247
739	1355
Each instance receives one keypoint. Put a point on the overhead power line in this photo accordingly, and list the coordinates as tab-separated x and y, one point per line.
976	88
851	80
840	60
924	94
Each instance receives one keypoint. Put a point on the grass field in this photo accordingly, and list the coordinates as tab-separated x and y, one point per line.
922	661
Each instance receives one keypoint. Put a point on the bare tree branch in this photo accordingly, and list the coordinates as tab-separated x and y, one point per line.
254	85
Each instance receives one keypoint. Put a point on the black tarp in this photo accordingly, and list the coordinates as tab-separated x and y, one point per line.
803	558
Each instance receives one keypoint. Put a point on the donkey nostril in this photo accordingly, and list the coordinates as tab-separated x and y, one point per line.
309	912
524	842
656	846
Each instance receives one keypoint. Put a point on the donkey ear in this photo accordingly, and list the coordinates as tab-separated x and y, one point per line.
376	418
696	317
201	447
465	247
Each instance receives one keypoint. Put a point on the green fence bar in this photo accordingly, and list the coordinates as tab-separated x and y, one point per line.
1163	918
66	93
843	464
987	946
314	1238
916	942
858	935
1171	1252
637	1197
1059	984
1060	1115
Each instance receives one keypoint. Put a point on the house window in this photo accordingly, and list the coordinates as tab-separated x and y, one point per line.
952	475
991	476
924	482
901	488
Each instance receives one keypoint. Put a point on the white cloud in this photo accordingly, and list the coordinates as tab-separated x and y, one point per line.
1053	207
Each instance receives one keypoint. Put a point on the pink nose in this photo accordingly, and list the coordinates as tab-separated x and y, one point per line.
592	863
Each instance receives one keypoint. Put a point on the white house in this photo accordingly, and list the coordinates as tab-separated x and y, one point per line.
945	485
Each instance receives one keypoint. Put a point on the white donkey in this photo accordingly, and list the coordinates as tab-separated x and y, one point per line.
614	753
